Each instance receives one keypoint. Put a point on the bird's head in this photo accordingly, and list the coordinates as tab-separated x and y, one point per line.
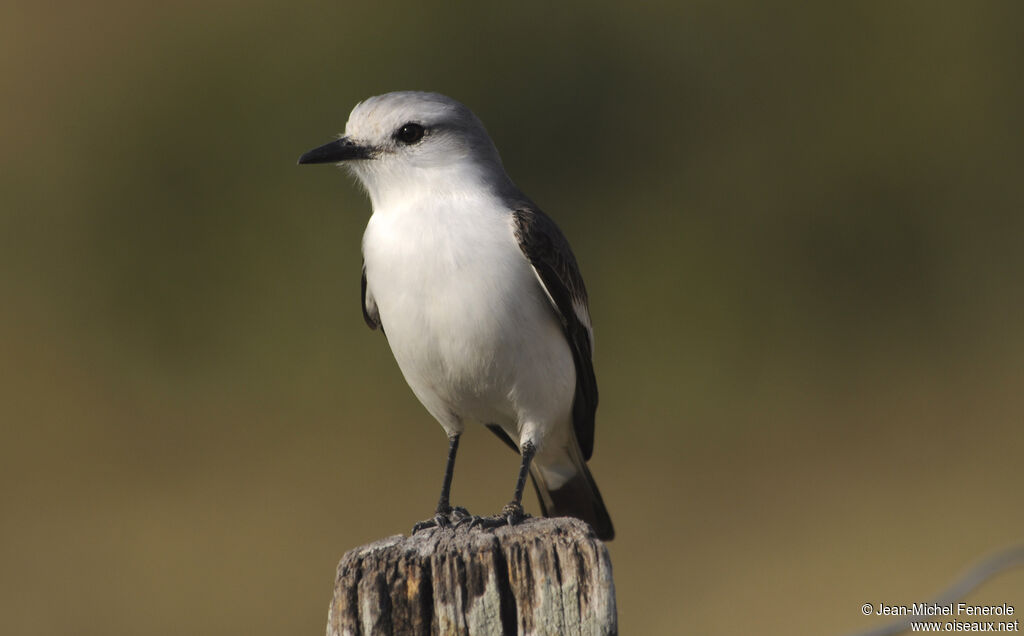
401	143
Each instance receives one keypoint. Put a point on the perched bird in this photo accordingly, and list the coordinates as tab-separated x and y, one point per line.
478	295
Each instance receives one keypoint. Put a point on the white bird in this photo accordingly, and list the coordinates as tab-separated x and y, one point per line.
478	294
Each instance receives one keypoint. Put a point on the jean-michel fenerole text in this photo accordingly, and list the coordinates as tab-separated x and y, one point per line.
944	609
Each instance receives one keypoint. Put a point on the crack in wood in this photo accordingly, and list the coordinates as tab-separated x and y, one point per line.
539	577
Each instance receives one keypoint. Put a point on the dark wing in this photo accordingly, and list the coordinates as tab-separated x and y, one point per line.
370	314
503	436
553	262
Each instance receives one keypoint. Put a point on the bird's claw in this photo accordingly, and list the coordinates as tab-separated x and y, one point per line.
512	514
437	521
453	517
457	517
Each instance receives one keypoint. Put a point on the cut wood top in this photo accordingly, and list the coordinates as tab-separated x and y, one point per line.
543	576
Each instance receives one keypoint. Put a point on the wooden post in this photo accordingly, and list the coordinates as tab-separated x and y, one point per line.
543	576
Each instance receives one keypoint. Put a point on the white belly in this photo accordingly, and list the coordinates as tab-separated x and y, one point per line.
469	324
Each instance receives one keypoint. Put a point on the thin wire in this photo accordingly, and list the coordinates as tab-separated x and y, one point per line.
973	577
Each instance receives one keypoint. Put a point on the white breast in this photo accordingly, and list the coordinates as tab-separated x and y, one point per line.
470	326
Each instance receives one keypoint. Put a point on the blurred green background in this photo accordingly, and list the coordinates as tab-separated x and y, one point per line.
800	226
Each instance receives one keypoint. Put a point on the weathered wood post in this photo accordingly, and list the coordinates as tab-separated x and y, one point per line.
543	576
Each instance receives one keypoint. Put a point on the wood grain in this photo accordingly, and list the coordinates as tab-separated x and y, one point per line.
543	576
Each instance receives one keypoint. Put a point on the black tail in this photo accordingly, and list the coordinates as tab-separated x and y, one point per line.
578	497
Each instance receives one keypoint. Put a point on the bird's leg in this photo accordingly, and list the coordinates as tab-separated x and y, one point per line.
444	508
444	505
512	513
513	510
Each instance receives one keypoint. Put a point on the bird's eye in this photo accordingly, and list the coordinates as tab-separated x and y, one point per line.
409	133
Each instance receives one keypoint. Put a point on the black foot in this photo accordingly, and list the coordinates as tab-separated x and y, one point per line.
437	521
453	517
512	514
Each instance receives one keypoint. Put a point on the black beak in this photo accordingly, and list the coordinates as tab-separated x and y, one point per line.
343	149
